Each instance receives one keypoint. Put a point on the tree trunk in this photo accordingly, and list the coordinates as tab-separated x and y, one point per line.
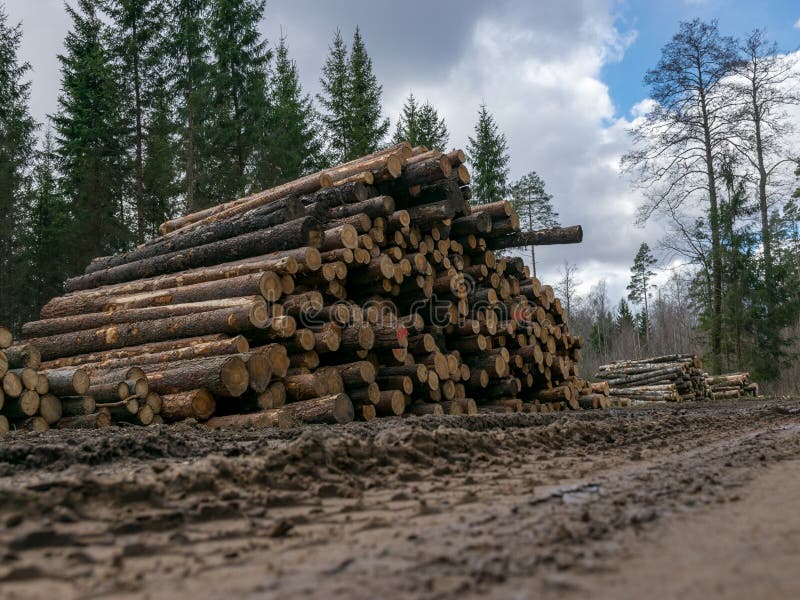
225	376
74	323
210	345
85	300
195	404
300	232
337	408
228	320
97	420
288	209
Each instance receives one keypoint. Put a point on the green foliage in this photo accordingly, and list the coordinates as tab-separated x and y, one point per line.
187	72
161	184
237	97
334	99
421	126
488	155
135	28
640	284
367	128
17	146
44	242
532	202
91	140
351	99
291	144
625	317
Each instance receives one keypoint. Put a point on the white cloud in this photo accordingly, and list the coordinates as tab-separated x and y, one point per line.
797	24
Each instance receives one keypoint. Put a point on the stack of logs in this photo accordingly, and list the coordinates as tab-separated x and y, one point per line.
732	386
370	289
27	400
672	378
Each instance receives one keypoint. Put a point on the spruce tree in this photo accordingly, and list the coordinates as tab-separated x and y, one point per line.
237	93
187	47
136	29
421	126
47	221
160	180
640	284
534	205
91	139
334	100
488	155
367	128
17	146
291	145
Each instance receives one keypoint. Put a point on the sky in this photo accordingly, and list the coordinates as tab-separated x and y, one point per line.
562	79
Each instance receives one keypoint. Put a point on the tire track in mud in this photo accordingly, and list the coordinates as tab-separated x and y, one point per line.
423	507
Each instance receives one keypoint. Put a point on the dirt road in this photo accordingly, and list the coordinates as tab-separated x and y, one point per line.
668	502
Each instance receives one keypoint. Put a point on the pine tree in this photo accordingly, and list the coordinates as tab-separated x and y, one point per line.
91	139
136	28
47	220
291	145
237	93
187	46
421	126
625	318
367	128
640	284
334	100
488	155
17	146
534	205
160	181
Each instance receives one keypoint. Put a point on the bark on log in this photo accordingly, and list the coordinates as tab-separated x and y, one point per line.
85	300
23	355
71	324
97	420
196	347
73	406
227	320
265	418
221	375
195	404
543	237
305	185
72	381
306	231
337	408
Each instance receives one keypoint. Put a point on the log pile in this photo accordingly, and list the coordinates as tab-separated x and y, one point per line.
672	378
368	290
27	399
732	386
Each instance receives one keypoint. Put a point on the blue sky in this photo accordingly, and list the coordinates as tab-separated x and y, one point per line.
655	22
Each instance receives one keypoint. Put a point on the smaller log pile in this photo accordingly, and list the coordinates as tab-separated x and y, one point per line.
671	378
734	385
26	398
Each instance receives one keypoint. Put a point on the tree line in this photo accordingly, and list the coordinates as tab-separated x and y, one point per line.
171	106
714	158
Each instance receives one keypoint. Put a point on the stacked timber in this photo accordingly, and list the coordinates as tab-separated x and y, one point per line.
671	378
368	290
731	386
27	399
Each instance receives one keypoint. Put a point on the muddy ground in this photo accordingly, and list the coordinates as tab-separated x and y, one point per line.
680	501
